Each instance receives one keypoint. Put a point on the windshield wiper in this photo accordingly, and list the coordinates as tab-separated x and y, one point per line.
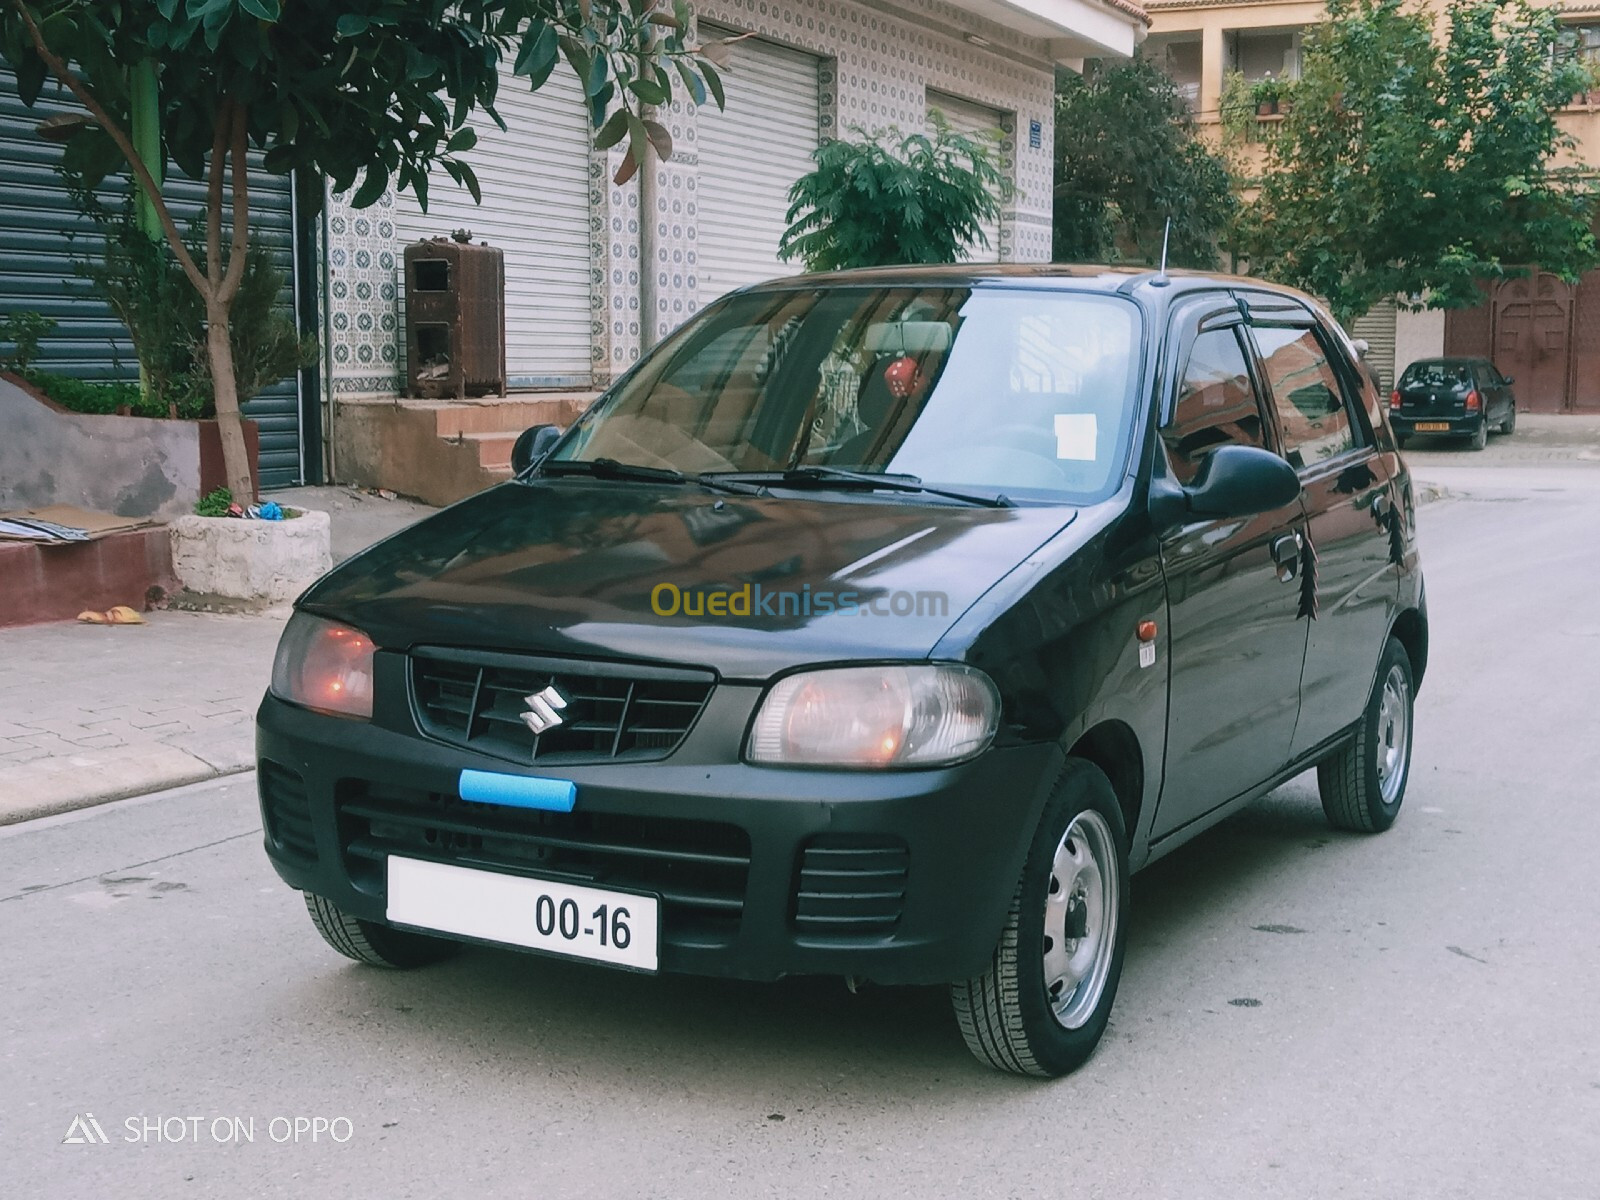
610	468
824	477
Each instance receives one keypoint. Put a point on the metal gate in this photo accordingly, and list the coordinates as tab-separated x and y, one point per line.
750	156
985	126
1532	328
42	235
1586	345
1377	330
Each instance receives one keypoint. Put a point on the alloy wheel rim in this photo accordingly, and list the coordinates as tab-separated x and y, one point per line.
1083	907
1394	735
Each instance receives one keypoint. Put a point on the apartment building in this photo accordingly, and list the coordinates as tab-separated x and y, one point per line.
1543	331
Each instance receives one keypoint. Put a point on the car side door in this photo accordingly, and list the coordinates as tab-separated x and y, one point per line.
1497	400
1349	585
1236	641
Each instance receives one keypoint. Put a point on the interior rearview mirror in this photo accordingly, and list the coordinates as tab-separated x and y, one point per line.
1241	481
532	445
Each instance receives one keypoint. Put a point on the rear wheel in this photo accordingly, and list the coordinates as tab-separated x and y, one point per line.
1480	435
1400	440
373	943
1042	1005
1364	782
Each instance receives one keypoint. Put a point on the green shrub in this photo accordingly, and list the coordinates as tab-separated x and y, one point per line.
84	396
144	286
888	199
23	330
214	503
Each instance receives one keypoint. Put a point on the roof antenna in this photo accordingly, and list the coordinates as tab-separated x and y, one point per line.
1161	279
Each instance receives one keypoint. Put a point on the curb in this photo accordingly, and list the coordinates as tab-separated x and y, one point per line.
48	787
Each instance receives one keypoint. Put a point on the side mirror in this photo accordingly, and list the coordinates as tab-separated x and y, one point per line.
532	445
1241	481
1508	378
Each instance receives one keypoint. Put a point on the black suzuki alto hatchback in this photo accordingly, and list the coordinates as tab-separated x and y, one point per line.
875	625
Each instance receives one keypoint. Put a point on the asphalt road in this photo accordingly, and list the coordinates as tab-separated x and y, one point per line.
1303	1014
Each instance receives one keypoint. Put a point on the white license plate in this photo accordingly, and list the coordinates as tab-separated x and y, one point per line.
622	928
1433	426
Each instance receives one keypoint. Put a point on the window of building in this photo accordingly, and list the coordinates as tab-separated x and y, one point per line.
1263	53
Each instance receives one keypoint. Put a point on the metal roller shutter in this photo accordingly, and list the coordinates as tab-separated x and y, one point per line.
982	124
1377	329
750	156
42	235
535	182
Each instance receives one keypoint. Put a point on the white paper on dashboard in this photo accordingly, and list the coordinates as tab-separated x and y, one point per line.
1076	436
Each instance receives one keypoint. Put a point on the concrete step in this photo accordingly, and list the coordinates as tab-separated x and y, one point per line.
509	416
494	449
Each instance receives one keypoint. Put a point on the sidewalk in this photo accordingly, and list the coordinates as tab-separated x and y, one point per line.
92	713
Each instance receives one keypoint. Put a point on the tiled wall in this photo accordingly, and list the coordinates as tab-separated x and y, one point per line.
879	59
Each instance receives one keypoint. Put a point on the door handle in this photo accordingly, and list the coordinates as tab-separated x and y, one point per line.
1285	552
1380	507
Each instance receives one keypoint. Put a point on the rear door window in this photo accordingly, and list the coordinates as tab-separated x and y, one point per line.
1216	403
1314	410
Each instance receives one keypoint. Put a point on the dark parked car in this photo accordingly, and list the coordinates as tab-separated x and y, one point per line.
1452	396
876	625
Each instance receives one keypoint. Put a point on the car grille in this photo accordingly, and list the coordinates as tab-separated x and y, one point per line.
699	868
621	712
286	812
850	886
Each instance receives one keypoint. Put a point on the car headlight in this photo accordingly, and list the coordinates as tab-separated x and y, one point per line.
923	715
324	665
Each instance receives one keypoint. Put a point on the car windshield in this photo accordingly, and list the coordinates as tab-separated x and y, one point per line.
1019	391
1436	375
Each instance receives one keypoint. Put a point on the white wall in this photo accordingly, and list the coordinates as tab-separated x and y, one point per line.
1417	335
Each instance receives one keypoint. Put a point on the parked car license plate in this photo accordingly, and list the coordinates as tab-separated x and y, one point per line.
621	928
1433	426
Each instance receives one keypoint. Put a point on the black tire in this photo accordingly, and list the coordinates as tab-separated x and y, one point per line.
1480	435
1400	440
1509	425
1356	793
373	943
1006	1014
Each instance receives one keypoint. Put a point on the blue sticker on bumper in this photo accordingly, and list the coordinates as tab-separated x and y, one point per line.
518	791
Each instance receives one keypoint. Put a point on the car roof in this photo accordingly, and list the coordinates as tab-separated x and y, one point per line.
1076	277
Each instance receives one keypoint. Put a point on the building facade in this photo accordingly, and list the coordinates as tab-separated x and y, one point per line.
1544	332
590	279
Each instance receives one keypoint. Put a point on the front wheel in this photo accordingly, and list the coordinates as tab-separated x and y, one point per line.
1042	1005
1509	425
1364	782
373	943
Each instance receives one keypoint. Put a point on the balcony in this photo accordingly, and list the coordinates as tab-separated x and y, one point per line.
1072	29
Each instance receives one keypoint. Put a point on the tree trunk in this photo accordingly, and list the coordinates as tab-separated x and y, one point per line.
225	388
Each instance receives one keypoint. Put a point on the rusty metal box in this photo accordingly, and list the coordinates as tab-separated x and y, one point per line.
455	319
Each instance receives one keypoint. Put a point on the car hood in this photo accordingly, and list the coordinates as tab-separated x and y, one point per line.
596	569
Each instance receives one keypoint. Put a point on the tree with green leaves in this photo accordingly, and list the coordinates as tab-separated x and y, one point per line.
886	199
1412	165
1127	160
375	91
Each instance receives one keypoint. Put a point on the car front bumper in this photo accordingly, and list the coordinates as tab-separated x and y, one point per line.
896	877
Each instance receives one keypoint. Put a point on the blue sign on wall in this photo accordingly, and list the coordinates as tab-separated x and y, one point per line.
1035	134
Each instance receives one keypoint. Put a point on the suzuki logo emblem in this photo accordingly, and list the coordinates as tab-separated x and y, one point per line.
544	709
